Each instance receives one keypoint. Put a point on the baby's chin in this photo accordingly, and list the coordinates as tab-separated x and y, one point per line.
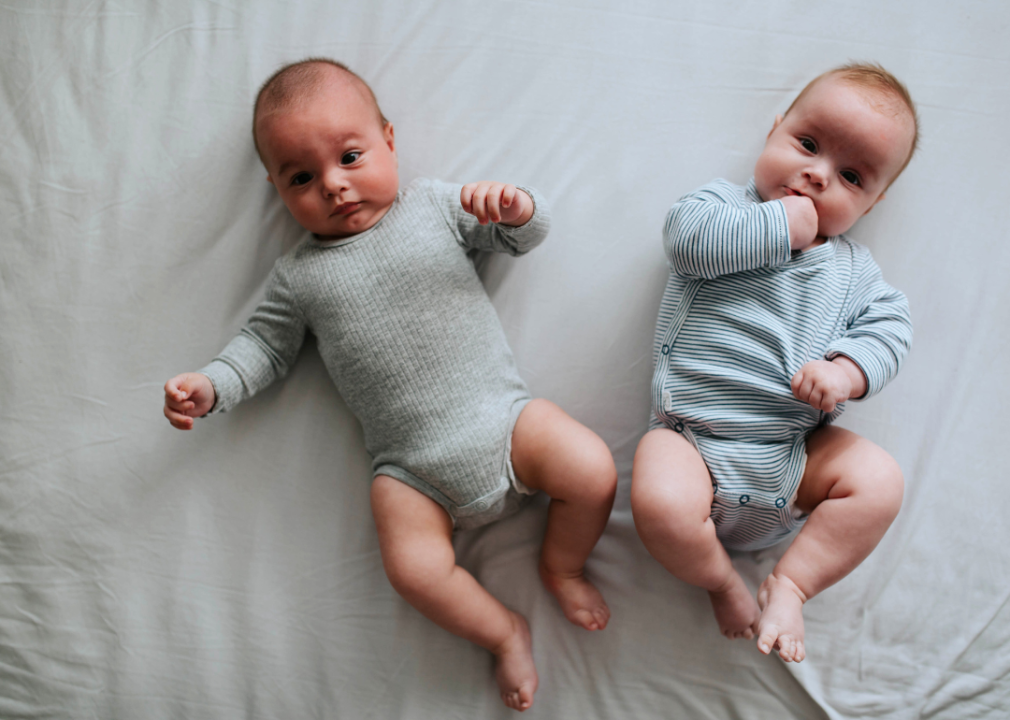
354	224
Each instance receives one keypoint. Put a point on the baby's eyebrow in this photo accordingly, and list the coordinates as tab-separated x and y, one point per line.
283	167
341	139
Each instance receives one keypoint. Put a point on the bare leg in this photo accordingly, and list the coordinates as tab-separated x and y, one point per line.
415	538
671	500
852	490
568	461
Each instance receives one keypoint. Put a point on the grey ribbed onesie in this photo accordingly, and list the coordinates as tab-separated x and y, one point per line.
411	341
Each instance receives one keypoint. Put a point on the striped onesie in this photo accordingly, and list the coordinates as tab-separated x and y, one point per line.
741	314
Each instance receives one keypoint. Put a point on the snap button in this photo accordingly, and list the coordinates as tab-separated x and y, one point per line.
678	427
715	488
780	503
744	499
482	505
666	349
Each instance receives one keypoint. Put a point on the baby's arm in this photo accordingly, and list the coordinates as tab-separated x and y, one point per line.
263	351
524	215
872	350
714	231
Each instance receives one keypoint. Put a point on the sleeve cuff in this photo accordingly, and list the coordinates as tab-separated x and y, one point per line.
528	236
227	385
874	369
778	223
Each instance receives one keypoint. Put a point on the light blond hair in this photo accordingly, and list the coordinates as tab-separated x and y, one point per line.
296	80
873	77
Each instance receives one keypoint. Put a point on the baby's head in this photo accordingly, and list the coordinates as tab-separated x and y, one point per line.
842	142
327	147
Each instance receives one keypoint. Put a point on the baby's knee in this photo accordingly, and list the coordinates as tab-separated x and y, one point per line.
881	484
411	582
661	514
889	487
599	473
414	572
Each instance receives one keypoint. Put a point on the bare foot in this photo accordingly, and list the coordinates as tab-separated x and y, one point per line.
514	669
781	624
580	601
735	609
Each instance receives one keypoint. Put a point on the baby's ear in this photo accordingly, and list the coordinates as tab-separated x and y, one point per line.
387	135
778	121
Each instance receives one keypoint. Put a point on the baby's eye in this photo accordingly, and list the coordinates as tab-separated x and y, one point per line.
808	145
301	178
350	158
851	177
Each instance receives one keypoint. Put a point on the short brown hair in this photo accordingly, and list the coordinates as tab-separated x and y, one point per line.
295	80
874	77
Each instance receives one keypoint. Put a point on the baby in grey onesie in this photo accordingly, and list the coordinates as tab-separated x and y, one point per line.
411	341
409	336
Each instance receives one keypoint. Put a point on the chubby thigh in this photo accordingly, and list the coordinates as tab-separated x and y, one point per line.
679	483
671	485
553	452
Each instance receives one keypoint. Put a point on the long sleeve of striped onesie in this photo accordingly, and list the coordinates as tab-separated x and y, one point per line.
742	313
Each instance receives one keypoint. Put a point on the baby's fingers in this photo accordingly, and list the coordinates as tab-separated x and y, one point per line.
178	420
828	401
495	202
175	390
181	406
800	386
466	197
473	198
508	195
479	203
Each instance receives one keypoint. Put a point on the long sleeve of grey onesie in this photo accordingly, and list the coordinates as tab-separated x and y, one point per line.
409	337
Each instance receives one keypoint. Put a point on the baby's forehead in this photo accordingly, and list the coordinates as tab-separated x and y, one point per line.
885	101
829	95
323	98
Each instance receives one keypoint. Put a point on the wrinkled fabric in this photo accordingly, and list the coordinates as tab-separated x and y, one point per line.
233	571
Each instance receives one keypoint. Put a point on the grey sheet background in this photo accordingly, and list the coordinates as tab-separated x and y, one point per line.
233	571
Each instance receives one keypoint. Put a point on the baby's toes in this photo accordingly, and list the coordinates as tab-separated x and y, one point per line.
602	616
525	700
766	640
585	618
787	648
511	699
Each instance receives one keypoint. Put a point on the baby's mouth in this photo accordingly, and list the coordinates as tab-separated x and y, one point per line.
797	193
345	208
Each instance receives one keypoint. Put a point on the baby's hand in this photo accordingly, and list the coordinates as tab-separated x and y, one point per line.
822	385
802	217
188	396
496	202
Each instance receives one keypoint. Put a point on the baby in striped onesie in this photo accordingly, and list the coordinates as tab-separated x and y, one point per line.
771	320
412	342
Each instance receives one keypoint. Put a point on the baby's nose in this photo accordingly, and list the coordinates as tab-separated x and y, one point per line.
817	174
334	182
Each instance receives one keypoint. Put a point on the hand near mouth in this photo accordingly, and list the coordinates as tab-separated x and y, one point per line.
802	218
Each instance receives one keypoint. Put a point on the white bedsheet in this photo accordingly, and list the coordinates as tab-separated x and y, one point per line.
233	572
